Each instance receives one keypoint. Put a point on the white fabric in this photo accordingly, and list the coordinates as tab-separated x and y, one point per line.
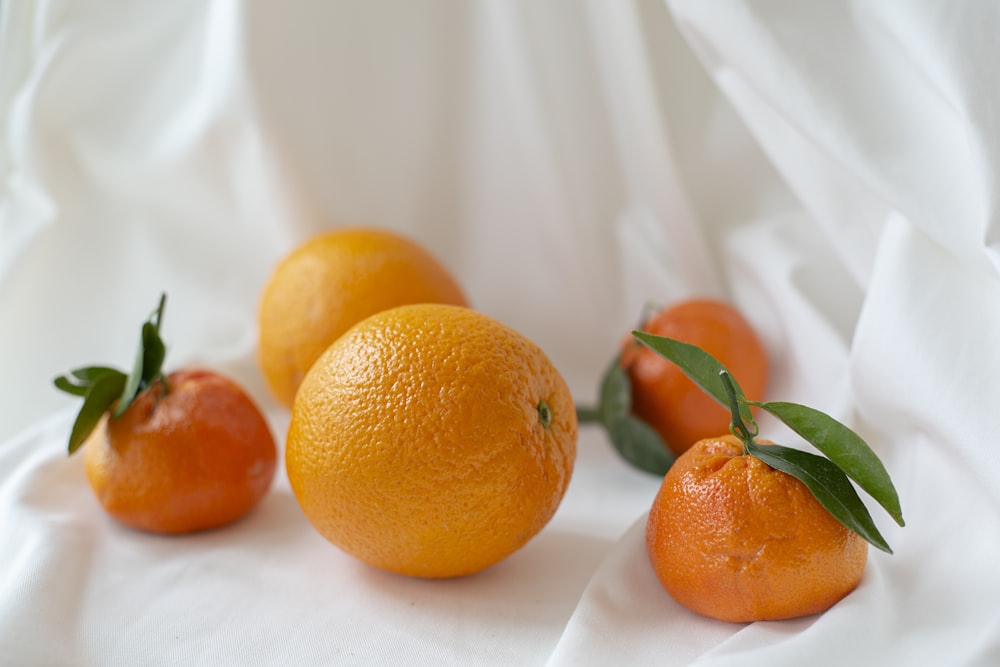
831	168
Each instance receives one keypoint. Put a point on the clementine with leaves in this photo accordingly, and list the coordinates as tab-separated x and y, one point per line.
651	410
746	530
431	440
174	453
665	398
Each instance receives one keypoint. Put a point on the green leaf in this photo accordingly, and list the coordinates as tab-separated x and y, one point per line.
639	444
616	392
844	447
828	480
828	484
131	388
633	439
100	386
154	352
80	380
91	374
615	397
148	359
64	383
100	395
702	368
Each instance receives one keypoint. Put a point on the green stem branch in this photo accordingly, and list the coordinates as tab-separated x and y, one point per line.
737	426
588	415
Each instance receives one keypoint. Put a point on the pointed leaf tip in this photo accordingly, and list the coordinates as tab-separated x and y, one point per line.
699	366
149	358
845	448
637	443
98	400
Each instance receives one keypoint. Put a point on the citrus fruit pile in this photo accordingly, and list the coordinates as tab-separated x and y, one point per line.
741	529
425	438
746	530
431	440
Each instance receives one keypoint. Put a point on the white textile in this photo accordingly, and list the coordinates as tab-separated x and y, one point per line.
832	168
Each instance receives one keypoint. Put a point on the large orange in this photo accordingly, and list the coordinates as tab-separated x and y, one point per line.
190	455
662	396
733	539
331	282
431	440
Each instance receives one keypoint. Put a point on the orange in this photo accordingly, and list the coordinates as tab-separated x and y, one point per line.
331	282
431	440
733	539
663	397
193	455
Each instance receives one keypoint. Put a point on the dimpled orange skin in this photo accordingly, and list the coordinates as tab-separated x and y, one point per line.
416	443
733	539
329	283
663	397
198	457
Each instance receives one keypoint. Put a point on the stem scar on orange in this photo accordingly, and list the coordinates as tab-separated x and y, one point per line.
173	453
746	530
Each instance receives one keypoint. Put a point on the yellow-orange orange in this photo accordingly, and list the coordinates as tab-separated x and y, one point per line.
733	539
431	440
329	283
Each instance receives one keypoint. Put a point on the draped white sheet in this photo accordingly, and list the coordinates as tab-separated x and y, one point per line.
831	168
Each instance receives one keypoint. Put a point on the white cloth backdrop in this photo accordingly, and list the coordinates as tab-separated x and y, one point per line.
830	167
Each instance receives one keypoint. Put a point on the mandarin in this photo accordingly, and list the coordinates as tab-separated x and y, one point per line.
431	440
191	452
664	397
731	538
329	283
